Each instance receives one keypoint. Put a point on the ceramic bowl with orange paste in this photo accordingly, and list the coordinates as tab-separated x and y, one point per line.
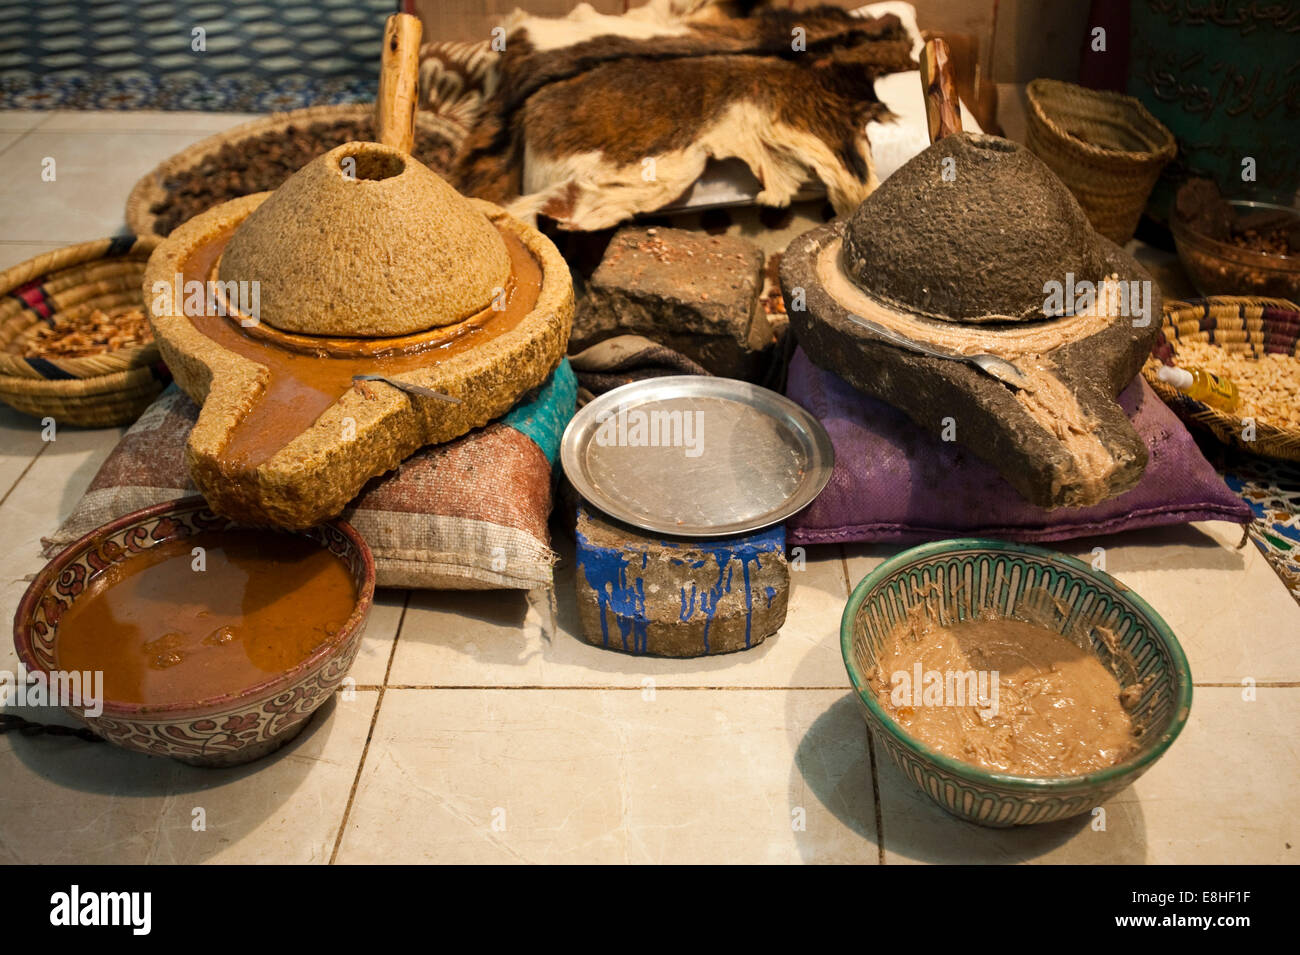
215	642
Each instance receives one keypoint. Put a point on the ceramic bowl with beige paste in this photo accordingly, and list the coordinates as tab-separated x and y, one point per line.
1010	683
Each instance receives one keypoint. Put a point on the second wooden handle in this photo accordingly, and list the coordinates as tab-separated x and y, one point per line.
399	82
942	107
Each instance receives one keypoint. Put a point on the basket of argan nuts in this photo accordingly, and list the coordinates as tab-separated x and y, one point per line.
258	156
1251	345
75	339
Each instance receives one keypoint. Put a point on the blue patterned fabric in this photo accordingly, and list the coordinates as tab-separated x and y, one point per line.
138	54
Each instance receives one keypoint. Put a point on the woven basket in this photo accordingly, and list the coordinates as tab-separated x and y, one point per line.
151	189
1244	324
103	402
99	390
1106	147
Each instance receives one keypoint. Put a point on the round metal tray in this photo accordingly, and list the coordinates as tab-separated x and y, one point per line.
691	456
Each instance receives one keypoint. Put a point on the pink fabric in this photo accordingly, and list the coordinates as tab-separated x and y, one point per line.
894	482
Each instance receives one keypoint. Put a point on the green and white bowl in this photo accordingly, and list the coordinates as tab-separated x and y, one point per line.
955	580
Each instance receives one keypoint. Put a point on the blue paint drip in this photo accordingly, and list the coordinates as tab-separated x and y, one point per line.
636	626
606	570
688	605
745	550
710	599
749	600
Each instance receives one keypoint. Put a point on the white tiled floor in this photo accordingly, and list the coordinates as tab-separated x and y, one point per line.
483	729
613	776
97	158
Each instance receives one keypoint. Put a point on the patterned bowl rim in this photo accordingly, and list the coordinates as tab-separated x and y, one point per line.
27	607
974	547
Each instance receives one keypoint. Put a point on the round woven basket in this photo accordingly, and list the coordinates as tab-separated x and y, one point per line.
151	189
108	388
1106	147
1243	324
103	402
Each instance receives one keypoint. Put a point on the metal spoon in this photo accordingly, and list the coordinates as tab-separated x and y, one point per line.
405	386
993	366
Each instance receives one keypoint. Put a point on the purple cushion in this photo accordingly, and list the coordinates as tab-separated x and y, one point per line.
894	482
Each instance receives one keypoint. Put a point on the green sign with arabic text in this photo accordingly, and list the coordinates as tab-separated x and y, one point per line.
1224	76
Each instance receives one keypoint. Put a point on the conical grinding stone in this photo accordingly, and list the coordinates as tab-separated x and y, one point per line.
367	242
970	234
961	249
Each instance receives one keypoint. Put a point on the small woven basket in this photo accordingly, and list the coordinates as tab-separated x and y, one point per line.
1106	147
1243	324
100	390
152	189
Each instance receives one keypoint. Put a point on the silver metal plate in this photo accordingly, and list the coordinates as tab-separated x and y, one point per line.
691	456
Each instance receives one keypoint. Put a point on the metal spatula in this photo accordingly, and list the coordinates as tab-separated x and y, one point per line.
407	387
999	368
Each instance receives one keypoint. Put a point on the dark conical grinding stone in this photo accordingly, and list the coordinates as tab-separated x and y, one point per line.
978	244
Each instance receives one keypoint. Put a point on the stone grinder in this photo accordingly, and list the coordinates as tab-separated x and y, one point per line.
274	309
974	254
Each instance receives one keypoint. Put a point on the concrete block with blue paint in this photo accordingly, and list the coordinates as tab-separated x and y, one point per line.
645	594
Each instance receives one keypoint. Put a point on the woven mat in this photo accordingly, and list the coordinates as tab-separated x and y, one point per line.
1272	489
136	54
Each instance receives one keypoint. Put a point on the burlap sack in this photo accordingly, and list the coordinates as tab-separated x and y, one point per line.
467	515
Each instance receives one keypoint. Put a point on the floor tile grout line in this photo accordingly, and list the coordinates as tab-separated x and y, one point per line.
46	116
370	733
871	742
18	480
397	634
20	136
875	801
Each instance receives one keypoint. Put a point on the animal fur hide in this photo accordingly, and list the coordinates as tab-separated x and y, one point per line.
593	119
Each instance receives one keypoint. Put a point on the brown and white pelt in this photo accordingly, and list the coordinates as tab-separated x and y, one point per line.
593	119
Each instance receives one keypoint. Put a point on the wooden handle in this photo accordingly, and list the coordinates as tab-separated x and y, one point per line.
399	82
942	108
